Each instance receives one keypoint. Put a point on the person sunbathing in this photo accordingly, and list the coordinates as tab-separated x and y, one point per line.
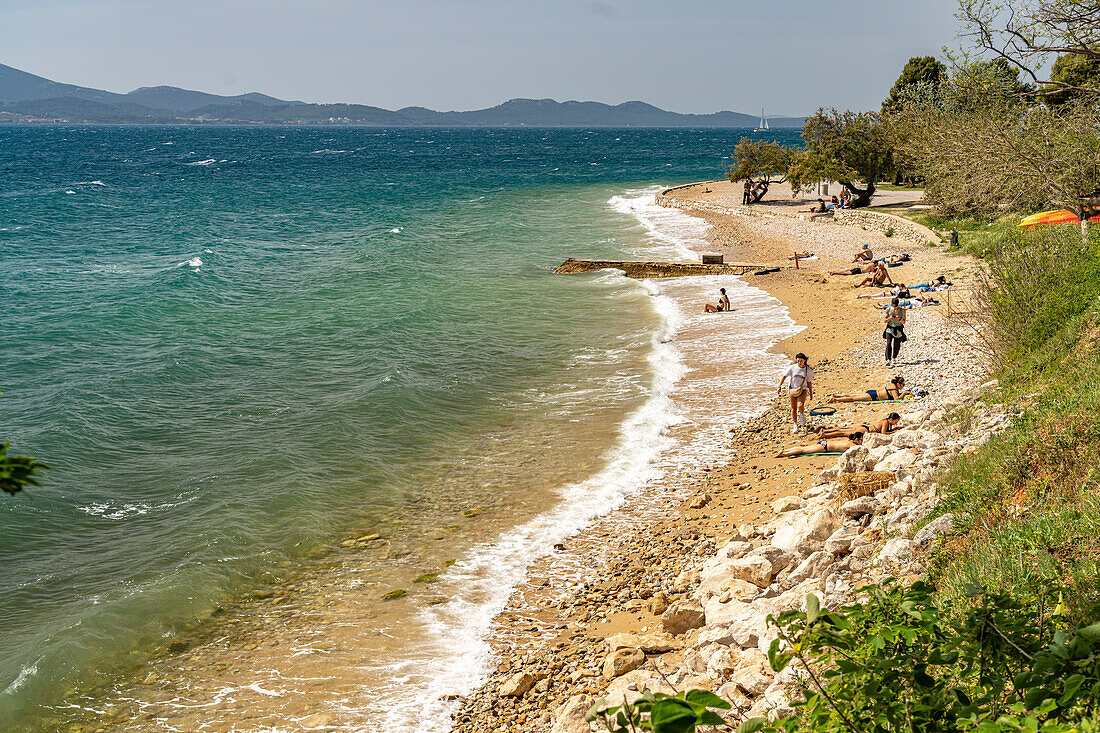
800	255
885	426
857	270
879	278
896	390
832	445
864	255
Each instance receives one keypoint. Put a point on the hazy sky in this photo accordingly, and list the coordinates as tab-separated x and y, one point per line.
789	56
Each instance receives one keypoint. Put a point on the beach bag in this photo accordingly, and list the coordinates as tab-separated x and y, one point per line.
795	392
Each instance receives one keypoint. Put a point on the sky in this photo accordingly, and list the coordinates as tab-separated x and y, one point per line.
788	56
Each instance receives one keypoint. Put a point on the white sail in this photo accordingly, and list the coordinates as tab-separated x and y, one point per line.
763	122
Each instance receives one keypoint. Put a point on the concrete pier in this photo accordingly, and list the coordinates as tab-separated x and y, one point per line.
643	269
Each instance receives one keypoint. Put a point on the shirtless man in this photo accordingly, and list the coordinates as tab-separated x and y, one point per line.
864	254
879	278
857	270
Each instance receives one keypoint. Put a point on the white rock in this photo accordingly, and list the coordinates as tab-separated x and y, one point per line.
752	568
852	460
813	566
801	529
840	542
858	507
518	684
874	440
681	616
648	643
621	661
744	630
895	551
932	530
906	438
896	460
786	504
569	718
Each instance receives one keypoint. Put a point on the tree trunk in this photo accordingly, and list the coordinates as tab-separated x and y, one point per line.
860	196
759	191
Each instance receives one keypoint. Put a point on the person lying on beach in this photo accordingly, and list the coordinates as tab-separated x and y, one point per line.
800	255
940	283
896	390
723	304
831	445
885	426
898	291
857	270
879	278
865	254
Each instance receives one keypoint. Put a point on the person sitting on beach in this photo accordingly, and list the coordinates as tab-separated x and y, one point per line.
885	426
896	390
830	445
865	254
723	304
879	278
857	270
845	198
819	209
833	204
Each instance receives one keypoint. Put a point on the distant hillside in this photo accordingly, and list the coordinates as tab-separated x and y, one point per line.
27	96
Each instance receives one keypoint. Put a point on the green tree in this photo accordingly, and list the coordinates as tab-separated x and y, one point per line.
760	160
847	147
1070	77
918	70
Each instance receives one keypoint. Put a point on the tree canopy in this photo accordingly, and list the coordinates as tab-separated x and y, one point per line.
1070	75
918	70
847	147
760	160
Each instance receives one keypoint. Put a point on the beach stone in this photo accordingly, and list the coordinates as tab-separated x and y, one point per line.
734	549
648	643
317	720
518	684
840	541
852	460
698	502
621	661
858	507
874	455
812	567
786	504
752	568
897	550
657	603
682	616
734	623
569	717
779	558
875	440
896	460
800	531
935	528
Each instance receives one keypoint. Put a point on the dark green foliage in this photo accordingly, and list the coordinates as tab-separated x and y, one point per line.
847	147
900	662
760	160
661	713
918	70
16	472
1073	76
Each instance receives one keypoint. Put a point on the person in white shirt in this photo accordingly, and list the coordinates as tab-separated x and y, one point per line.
800	388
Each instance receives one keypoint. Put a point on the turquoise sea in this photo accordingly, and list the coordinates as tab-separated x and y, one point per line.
240	346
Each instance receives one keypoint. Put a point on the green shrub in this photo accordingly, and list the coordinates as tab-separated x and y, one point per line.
17	472
901	662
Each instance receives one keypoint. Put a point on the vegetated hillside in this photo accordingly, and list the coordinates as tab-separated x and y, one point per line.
34	96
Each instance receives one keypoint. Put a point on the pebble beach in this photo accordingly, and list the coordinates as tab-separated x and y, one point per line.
671	591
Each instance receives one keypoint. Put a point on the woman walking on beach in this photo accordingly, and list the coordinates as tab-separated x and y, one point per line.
895	331
800	388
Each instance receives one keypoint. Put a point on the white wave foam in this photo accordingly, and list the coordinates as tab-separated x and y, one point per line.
90	183
21	679
454	655
395	230
208	161
672	233
193	262
328	151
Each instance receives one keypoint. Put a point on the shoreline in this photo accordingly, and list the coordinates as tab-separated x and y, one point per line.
551	640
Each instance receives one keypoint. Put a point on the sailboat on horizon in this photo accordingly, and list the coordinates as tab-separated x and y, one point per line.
763	122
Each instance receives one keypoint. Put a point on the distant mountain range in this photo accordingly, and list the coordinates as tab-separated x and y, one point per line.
25	97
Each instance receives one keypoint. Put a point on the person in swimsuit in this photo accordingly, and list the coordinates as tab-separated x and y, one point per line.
831	445
896	390
723	304
885	426
880	277
858	270
864	255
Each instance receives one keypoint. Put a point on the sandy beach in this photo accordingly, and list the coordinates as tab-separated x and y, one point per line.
623	572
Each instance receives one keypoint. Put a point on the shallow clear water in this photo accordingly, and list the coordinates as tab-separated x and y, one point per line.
237	345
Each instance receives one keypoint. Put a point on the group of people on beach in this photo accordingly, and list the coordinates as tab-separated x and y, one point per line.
844	201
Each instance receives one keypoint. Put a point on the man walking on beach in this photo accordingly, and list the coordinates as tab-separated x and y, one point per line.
747	198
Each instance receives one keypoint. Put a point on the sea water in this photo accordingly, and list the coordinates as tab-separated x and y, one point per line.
240	347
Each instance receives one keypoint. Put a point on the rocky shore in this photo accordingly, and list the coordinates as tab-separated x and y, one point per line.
680	599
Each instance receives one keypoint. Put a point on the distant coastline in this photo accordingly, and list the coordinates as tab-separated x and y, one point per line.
27	98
